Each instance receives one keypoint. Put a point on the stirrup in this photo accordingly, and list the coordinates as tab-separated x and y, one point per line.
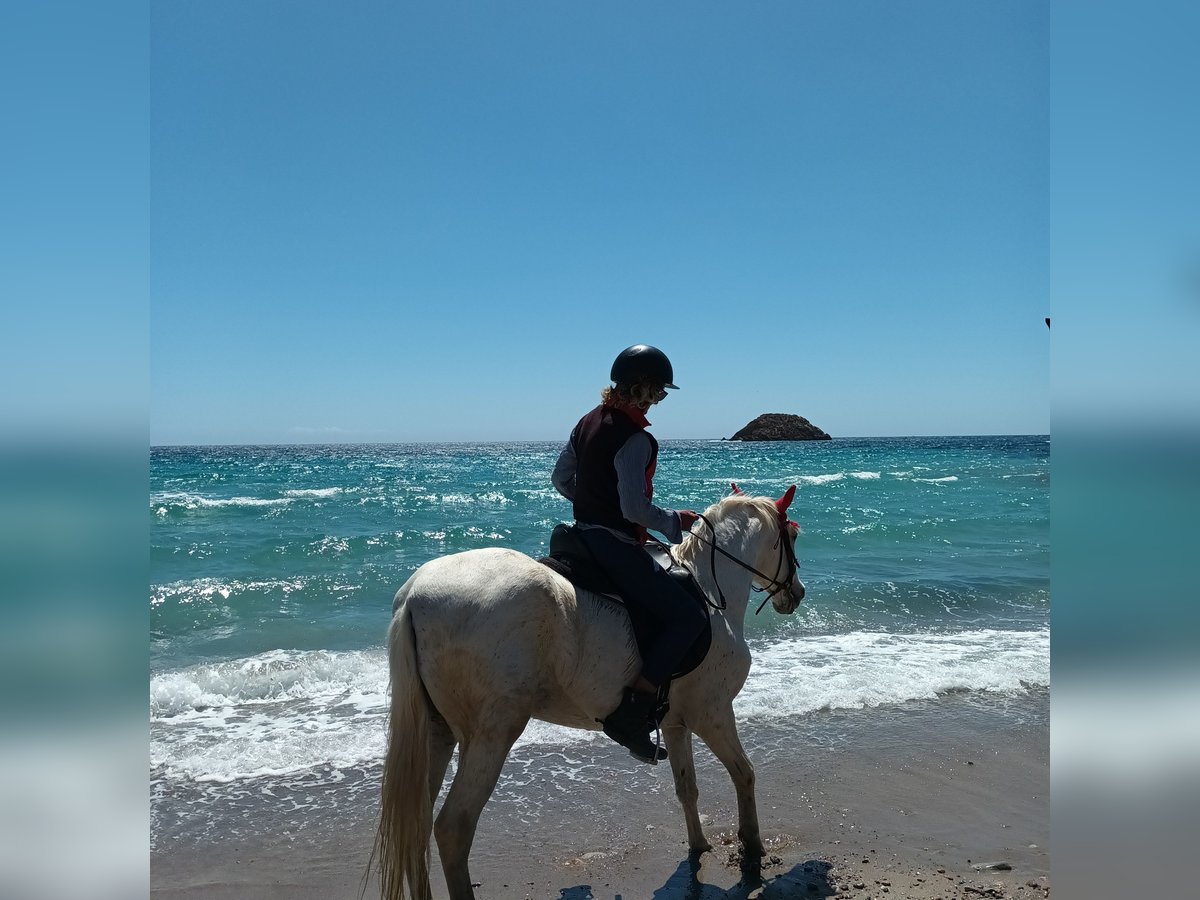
660	752
639	747
629	725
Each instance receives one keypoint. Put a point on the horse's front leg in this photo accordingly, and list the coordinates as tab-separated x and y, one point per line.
683	767
720	733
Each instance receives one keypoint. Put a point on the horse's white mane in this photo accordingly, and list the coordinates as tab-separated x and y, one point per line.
692	545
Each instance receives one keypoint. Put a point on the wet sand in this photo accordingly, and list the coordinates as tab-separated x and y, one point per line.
944	799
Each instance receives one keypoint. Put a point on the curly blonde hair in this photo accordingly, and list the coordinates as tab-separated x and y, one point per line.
642	394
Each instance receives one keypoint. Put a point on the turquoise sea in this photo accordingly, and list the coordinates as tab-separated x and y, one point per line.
927	563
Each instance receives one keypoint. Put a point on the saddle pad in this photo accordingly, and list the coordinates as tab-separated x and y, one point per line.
570	558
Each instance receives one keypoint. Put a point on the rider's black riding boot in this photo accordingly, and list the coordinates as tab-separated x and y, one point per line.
630	725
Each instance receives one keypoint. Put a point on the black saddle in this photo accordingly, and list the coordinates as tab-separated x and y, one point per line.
570	558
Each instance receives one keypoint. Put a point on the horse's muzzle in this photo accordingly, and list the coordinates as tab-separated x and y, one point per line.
791	598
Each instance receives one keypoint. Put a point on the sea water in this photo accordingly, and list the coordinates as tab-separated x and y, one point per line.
927	564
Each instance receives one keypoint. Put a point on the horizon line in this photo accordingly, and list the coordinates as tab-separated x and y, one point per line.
864	437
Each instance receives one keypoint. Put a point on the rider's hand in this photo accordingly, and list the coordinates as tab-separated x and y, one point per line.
687	519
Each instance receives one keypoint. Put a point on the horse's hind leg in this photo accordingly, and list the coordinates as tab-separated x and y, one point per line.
683	767
441	748
720	733
480	759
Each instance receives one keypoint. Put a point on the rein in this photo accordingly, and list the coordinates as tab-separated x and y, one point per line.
774	585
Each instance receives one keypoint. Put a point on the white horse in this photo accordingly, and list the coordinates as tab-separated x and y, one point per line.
483	641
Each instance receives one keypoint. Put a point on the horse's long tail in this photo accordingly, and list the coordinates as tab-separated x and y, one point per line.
406	813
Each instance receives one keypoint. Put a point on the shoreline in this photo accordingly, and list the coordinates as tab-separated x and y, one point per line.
883	803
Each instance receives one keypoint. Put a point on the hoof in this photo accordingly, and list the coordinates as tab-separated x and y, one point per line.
752	849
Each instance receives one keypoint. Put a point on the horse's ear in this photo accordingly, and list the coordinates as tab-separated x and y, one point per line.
785	501
736	489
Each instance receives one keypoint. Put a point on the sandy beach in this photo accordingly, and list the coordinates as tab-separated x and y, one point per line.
946	798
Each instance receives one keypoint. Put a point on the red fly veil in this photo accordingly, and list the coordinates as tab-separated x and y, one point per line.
785	501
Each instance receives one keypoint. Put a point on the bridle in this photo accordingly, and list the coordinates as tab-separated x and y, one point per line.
773	585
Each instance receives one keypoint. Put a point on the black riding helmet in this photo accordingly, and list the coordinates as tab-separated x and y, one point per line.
641	362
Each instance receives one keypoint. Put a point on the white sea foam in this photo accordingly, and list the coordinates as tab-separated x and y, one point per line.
163	500
545	493
944	480
314	493
819	479
296	711
279	712
834	477
487	497
330	544
207	588
870	669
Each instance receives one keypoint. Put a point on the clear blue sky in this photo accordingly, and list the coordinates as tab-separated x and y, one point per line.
378	221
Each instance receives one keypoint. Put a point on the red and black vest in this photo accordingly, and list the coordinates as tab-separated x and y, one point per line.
596	440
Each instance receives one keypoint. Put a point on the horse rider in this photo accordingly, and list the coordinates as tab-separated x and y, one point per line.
607	470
